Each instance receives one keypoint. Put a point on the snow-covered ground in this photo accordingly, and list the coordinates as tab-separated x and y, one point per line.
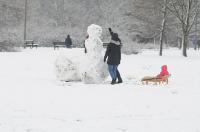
33	100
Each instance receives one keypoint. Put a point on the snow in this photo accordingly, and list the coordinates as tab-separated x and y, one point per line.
33	100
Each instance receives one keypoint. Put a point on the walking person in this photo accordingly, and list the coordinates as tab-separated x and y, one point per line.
194	42
113	57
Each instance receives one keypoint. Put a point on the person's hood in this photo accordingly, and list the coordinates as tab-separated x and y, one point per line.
164	68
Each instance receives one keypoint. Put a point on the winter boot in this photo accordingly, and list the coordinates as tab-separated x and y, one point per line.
113	81
119	81
119	77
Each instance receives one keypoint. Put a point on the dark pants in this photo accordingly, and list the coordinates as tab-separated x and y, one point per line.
114	72
119	76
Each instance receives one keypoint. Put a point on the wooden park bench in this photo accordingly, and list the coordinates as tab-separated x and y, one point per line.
30	43
58	44
105	44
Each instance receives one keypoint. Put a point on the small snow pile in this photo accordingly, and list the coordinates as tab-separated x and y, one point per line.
66	70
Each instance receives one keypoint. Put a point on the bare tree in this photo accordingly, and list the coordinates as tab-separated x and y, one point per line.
195	45
186	12
25	18
149	15
163	26
59	5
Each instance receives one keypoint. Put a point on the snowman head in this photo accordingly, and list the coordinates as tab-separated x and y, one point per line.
94	31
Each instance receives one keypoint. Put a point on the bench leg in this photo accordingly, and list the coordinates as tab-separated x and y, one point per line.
56	47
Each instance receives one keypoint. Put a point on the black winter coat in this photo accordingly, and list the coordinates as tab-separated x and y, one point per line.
113	53
68	41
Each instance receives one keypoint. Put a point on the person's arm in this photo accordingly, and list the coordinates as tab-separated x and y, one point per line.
161	74
110	30
120	42
106	54
120	54
70	42
85	50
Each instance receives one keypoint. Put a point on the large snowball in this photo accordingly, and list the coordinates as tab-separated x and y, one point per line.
66	70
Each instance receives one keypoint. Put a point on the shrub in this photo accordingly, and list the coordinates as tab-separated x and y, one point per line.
6	46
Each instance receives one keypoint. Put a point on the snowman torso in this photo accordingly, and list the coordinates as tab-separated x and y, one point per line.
94	48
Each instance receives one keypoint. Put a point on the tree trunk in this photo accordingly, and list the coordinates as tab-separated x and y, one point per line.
154	40
163	27
161	38
184	44
195	44
180	40
25	18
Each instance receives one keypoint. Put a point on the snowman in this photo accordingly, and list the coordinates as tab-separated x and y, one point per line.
91	68
94	69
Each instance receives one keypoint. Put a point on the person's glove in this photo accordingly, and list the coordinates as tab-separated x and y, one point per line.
104	60
110	29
